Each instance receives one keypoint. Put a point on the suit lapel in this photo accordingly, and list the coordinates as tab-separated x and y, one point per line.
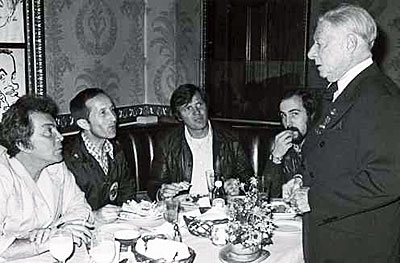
337	110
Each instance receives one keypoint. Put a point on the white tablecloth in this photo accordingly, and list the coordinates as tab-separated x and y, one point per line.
80	256
286	248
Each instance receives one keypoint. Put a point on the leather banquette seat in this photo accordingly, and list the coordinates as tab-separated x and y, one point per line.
138	142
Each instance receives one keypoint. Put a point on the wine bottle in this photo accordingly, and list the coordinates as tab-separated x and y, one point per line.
218	195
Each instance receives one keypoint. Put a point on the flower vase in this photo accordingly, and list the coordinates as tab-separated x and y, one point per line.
240	252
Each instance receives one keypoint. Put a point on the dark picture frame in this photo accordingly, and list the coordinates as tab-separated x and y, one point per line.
19	52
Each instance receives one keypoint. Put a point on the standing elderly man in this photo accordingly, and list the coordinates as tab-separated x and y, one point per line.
96	159
353	154
187	152
284	168
38	194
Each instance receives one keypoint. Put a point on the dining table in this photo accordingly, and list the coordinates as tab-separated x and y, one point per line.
286	246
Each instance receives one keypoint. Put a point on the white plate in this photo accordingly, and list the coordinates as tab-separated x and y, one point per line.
288	226
283	216
143	221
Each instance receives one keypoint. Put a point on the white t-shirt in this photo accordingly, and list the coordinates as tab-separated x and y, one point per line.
202	161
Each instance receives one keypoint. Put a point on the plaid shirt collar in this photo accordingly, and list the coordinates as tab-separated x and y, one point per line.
99	154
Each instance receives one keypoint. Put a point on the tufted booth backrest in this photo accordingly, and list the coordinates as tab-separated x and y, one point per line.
138	142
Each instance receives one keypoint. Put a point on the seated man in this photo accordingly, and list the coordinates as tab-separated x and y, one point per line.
198	145
297	110
98	162
38	194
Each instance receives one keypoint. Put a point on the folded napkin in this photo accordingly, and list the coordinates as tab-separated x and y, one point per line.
139	210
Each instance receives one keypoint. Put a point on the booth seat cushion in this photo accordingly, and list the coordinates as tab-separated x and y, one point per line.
138	142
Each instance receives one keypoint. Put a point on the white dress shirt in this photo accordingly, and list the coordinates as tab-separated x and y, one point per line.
350	75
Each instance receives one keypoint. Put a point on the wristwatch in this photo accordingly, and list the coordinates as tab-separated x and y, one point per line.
275	159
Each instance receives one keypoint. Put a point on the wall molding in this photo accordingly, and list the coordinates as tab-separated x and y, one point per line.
126	114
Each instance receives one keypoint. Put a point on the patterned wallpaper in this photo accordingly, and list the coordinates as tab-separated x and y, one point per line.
387	46
95	44
173	44
136	50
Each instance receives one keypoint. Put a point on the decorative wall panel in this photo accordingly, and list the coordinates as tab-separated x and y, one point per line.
173	47
96	44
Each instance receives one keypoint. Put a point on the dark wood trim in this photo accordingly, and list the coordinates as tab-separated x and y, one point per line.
126	114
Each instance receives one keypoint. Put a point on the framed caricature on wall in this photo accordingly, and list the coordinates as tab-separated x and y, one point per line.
13	50
19	52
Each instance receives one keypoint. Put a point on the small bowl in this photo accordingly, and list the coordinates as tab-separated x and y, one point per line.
126	237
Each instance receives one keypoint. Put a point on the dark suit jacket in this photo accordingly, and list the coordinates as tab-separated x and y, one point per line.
353	170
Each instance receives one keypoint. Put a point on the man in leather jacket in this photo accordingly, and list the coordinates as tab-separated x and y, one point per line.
185	153
95	157
284	167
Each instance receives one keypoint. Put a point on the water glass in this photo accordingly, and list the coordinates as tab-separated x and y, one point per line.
171	211
219	235
171	214
301	199
61	245
102	248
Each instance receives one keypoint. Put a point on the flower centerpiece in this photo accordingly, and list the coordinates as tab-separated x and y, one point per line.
250	224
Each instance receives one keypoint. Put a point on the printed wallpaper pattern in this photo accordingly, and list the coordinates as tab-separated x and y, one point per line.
95	44
174	44
137	51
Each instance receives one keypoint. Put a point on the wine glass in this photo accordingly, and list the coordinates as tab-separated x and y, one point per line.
102	249
61	245
171	214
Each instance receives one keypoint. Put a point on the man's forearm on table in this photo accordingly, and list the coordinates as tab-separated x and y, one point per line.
22	248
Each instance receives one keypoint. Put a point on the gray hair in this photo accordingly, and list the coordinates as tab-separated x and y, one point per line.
355	19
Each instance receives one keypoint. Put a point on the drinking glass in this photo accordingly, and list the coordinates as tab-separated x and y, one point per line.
301	199
210	180
102	249
61	245
171	211
171	214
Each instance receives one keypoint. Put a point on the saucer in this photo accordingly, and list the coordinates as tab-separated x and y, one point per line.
287	227
226	256
126	234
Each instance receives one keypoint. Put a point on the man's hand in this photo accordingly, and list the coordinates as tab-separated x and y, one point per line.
170	190
40	235
282	143
107	213
80	231
231	187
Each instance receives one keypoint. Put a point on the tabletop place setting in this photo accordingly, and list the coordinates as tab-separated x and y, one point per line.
189	228
180	229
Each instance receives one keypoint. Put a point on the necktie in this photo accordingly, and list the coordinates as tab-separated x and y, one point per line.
328	93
